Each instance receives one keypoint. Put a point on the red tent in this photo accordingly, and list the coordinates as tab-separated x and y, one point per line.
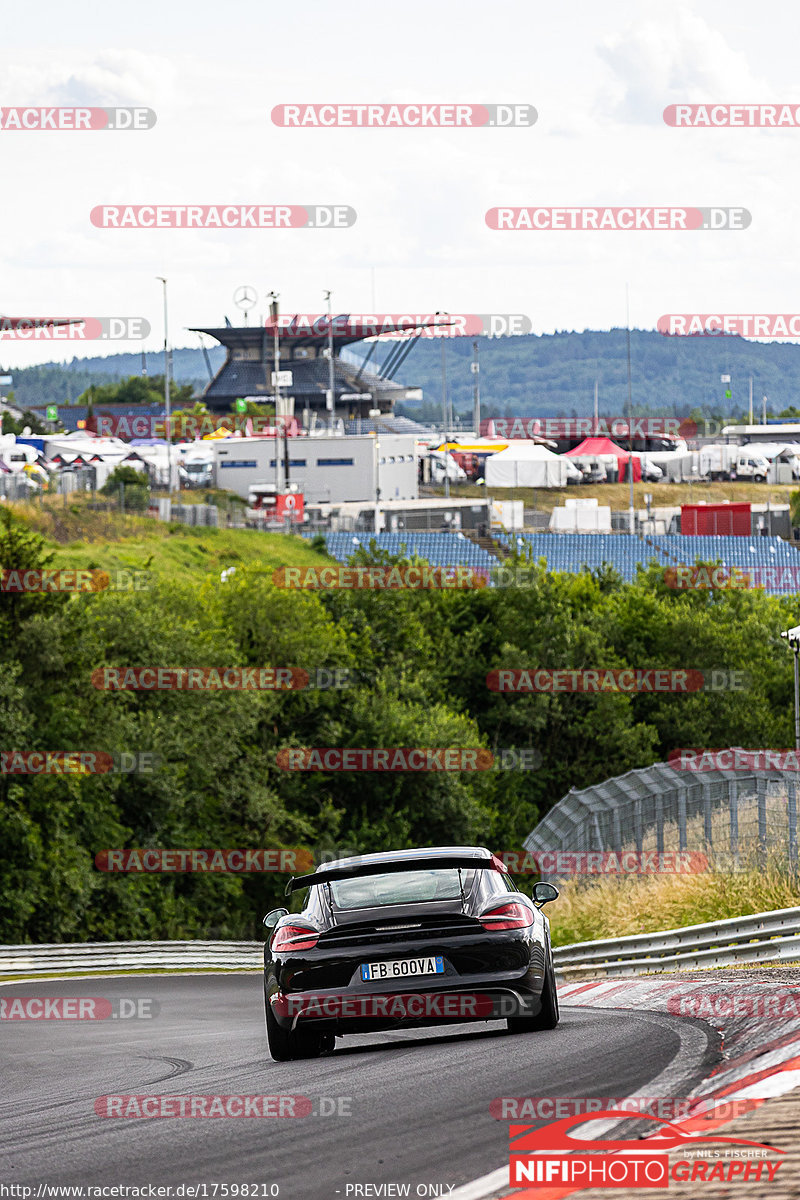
595	447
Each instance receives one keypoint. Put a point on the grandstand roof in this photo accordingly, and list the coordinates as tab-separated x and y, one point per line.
249	363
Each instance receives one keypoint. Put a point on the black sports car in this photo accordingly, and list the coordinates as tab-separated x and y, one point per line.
411	937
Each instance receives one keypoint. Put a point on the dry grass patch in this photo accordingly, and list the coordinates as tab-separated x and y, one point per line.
618	906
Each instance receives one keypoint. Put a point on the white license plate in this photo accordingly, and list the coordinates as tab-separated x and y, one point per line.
402	968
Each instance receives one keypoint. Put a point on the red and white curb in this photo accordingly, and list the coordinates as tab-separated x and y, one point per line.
759	1024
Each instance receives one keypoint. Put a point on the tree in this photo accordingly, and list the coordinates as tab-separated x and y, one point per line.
135	484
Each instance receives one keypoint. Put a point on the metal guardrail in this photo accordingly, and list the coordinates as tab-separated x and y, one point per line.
762	937
93	957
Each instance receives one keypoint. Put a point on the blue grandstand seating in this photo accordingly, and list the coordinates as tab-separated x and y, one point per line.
573	551
439	549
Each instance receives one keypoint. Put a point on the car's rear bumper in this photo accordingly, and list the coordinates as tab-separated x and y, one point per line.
414	1004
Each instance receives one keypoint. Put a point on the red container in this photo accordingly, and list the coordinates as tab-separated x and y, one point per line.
723	519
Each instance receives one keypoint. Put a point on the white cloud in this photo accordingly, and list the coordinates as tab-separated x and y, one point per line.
104	79
677	56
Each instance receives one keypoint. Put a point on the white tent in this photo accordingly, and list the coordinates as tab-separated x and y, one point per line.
526	464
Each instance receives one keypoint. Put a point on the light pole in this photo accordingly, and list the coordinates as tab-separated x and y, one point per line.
331	402
476	391
793	638
444	412
168	415
631	510
276	366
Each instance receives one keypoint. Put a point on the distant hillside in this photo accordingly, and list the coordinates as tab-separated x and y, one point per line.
60	383
548	375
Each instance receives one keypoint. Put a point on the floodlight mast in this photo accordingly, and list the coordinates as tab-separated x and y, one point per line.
793	638
167	414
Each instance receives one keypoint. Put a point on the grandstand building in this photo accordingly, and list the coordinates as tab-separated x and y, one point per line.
247	373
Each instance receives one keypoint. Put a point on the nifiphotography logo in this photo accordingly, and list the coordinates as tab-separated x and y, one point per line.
551	1156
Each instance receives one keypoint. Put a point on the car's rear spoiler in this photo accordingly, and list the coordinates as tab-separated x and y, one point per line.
467	862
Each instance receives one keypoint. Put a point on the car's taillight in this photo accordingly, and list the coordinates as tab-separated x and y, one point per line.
294	937
511	915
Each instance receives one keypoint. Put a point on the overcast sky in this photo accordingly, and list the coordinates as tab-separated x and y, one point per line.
599	76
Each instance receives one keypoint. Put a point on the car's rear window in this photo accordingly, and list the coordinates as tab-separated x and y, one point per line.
399	887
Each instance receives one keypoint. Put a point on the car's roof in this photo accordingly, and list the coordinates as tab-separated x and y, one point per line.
478	853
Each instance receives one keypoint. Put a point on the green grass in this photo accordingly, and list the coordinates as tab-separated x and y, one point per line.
616	907
80	538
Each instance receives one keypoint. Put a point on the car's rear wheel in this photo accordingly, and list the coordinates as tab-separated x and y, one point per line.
288	1044
547	1017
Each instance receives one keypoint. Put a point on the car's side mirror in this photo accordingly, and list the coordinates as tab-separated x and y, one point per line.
543	893
272	918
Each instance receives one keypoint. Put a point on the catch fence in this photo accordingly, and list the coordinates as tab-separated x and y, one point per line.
738	818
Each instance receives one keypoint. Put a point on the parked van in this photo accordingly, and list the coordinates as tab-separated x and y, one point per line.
750	465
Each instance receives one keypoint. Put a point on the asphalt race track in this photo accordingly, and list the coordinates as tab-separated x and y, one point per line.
408	1107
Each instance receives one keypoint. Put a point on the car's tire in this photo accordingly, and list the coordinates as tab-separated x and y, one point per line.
285	1045
547	1017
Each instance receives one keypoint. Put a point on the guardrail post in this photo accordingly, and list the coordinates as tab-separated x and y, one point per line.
792	806
733	806
707	826
682	820
761	794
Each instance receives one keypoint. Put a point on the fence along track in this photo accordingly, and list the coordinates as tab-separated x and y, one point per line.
762	937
